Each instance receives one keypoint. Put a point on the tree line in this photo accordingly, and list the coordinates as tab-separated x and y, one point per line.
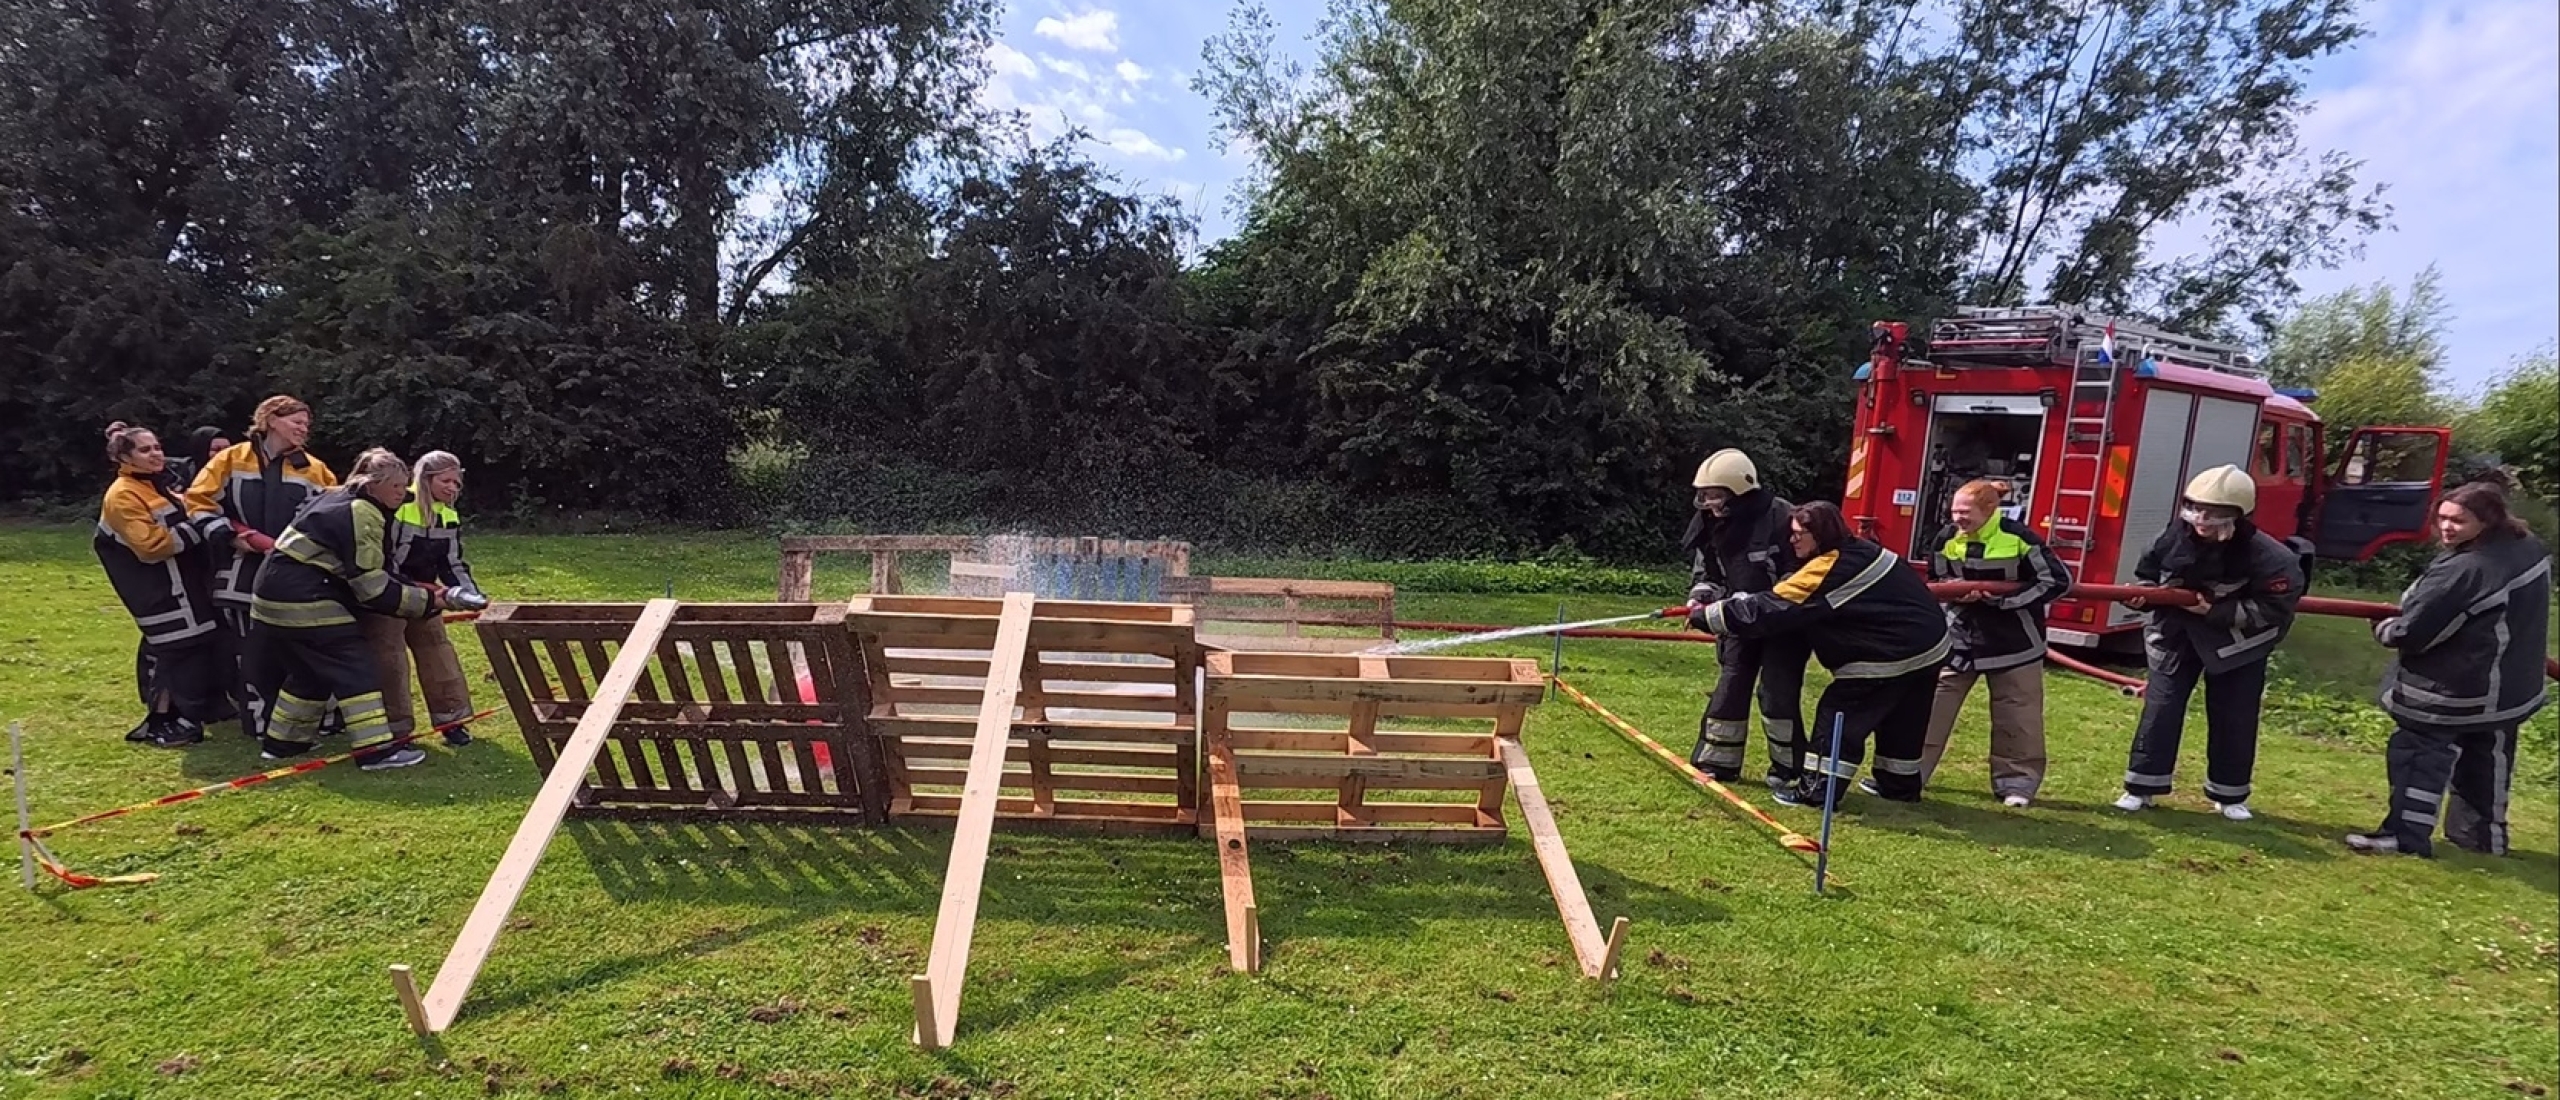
1506	269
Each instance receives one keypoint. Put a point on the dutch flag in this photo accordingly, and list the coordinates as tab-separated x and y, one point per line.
2107	347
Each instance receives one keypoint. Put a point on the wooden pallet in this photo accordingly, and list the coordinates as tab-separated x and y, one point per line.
740	711
1270	614
1443	779
1105	733
800	554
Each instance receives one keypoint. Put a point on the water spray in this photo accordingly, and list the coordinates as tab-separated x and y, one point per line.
1506	634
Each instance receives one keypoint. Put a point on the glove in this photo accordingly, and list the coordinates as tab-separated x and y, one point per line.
256	540
1705	593
2387	631
1698	619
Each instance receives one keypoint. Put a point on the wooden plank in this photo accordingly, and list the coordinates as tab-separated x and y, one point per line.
1293	616
956	923
1589	948
489	915
1244	690
902	728
1383	771
919	544
1147	813
1300	644
792	584
1276	586
1235	868
1390	813
1297	740
511	683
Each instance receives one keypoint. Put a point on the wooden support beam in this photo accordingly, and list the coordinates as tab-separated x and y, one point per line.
1235	867
1599	957
937	990
568	772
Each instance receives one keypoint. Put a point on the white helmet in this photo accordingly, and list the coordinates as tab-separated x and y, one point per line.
1729	470
2226	486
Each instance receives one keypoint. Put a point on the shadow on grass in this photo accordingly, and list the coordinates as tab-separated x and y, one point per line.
1971	819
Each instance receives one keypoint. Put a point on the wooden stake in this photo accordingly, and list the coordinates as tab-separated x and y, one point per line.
18	779
568	772
407	987
937	990
1598	957
1235	867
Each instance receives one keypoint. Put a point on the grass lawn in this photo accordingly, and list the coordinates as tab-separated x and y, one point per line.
2065	951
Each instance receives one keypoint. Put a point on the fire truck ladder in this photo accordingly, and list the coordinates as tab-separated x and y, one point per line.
2083	464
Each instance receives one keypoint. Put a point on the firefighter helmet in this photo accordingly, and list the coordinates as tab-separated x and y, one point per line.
2226	486
1729	470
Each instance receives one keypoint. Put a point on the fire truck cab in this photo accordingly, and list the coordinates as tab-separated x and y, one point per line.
2098	422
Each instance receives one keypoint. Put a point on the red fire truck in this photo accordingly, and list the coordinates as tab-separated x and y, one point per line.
2099	422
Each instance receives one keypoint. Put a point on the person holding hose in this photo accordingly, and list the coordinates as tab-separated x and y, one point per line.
1737	543
158	560
1871	620
2246	585
1995	638
251	492
330	565
426	549
2466	671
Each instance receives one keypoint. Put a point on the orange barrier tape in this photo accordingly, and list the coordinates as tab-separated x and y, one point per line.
78	881
1787	838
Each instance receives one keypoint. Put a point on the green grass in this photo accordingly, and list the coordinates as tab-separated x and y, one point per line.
2067	951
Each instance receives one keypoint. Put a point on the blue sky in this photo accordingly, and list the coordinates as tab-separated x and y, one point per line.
2455	104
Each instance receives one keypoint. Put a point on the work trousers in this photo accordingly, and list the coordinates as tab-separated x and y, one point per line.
1893	710
2232	699
188	679
310	666
248	696
1775	666
2017	725
2478	766
394	641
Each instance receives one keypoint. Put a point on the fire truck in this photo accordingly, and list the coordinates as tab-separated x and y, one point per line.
2098	422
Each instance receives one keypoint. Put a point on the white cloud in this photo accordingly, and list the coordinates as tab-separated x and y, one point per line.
2456	108
1135	143
1064	67
1130	71
1009	62
1097	30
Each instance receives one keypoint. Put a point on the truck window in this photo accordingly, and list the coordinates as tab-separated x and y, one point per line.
2390	458
2297	451
2270	450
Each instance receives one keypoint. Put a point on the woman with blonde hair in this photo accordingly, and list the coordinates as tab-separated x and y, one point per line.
1995	638
426	548
249	493
159	563
329	566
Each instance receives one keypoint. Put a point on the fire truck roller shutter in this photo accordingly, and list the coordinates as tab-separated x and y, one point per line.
2159	475
2226	432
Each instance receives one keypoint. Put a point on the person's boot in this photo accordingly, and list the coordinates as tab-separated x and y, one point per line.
458	736
270	748
2377	843
144	730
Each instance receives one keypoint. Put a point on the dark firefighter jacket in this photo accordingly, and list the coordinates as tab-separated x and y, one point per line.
2252	580
423	553
2001	631
245	489
331	563
1745	550
157	559
2470	638
1866	615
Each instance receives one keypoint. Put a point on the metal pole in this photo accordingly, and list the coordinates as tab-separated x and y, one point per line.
1830	803
1555	667
18	779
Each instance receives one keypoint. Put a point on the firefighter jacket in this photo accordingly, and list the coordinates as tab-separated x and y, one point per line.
2252	580
423	553
1866	615
1745	550
2470	638
333	561
2000	631
246	489
157	559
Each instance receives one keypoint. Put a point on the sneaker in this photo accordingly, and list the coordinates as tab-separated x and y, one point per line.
1796	795
170	733
459	736
2237	811
2131	802
1781	784
2381	843
143	731
2014	801
271	749
388	759
1867	786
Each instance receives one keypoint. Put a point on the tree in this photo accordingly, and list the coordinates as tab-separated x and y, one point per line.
2515	419
2375	355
